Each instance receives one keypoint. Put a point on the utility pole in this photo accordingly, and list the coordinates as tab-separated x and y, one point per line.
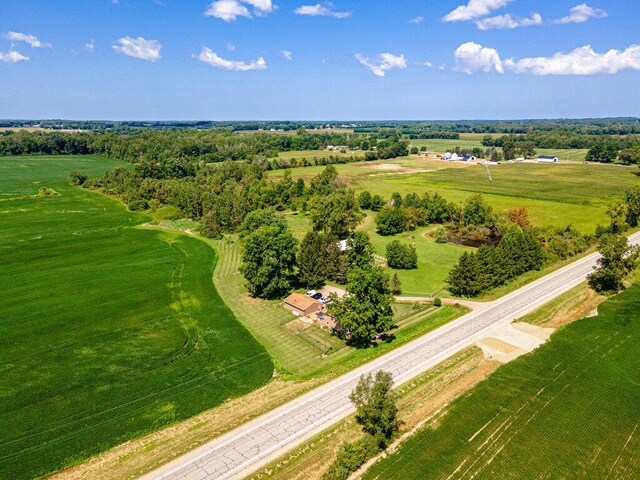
488	171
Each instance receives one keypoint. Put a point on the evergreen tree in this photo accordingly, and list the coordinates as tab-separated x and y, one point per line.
464	278
396	286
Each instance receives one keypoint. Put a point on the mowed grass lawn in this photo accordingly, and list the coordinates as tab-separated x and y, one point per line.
434	260
107	331
301	355
568	410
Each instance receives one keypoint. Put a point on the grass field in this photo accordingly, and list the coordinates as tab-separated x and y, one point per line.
568	410
555	195
434	260
107	331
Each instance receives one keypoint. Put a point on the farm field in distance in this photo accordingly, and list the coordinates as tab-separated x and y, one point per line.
550	414
555	195
108	331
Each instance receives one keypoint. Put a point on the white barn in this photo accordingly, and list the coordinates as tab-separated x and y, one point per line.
547	159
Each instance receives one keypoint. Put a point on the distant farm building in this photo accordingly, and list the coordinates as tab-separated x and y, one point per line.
341	148
547	159
301	305
468	158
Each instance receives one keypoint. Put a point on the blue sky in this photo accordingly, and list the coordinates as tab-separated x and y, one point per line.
227	59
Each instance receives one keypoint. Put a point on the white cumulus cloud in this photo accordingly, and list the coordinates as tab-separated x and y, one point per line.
581	13
417	20
472	57
287	54
319	10
26	38
229	10
581	61
508	22
383	63
212	58
12	57
139	48
90	46
474	9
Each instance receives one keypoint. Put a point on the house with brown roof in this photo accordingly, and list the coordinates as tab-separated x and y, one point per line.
301	305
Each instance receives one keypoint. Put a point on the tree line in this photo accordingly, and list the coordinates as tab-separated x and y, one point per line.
207	146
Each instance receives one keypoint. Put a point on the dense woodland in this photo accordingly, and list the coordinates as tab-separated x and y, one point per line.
136	144
422	129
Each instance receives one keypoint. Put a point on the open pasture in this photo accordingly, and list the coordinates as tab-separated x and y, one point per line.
568	410
107	330
434	260
555	195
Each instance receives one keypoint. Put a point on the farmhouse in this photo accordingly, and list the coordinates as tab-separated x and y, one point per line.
547	159
301	304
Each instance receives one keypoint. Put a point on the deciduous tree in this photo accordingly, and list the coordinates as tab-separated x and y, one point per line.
376	409
365	311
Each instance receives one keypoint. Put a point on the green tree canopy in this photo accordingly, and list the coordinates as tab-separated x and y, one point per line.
376	409
632	197
401	256
359	251
365	311
318	259
618	260
390	221
336	213
268	261
477	212
261	218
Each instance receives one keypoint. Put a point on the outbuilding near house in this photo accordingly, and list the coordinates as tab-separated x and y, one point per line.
547	159
301	305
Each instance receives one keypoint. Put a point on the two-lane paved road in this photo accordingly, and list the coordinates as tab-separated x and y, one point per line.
256	443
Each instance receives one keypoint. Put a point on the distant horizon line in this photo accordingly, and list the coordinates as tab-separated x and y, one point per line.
539	119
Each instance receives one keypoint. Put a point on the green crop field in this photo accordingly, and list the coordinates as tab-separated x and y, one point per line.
107	330
568	410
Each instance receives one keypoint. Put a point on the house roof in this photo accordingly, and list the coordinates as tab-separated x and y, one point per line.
300	302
